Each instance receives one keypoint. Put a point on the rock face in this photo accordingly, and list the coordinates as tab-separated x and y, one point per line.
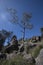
39	59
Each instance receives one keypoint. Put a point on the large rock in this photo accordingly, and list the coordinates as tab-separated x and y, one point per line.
39	59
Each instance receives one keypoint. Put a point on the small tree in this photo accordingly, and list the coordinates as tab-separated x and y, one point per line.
24	23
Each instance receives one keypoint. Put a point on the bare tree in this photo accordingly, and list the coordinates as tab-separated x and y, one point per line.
24	23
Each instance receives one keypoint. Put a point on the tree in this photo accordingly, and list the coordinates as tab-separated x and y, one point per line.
9	37
24	23
42	32
3	36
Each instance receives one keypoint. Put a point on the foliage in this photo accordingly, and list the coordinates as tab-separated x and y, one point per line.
41	29
42	32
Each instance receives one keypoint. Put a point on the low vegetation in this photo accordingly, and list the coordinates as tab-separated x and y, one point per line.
35	51
18	60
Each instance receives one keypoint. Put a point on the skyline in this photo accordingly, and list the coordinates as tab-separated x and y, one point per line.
31	6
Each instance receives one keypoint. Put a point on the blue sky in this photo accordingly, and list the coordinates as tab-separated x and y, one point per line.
31	6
